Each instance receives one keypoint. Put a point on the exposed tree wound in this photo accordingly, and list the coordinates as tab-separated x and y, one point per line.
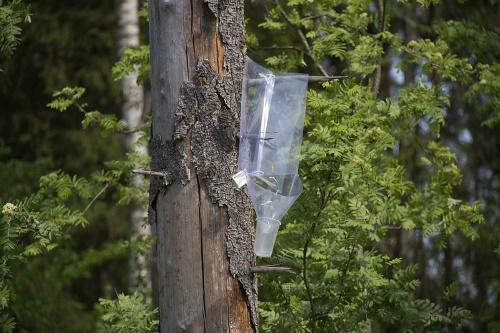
211	115
214	144
232	34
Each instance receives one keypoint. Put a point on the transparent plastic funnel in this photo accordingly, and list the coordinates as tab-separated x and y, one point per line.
272	121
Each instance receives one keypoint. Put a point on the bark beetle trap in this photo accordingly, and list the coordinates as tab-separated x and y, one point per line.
272	121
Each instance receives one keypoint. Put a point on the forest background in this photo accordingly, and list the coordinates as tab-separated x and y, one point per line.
398	228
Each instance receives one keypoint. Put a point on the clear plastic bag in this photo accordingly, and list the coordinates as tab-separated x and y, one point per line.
272	121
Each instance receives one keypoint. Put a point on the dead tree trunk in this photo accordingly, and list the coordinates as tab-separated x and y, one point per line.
201	222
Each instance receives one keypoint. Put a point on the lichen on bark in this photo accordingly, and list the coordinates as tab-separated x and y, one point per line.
210	115
214	148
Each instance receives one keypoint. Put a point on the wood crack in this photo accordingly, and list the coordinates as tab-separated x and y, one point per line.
200	216
192	33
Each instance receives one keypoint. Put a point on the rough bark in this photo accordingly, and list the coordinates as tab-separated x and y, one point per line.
132	112
201	223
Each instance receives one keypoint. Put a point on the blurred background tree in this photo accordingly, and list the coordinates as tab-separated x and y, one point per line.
381	182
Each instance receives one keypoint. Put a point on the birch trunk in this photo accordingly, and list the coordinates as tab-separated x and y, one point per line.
201	223
132	113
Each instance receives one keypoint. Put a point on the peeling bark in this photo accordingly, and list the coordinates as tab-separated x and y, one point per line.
202	223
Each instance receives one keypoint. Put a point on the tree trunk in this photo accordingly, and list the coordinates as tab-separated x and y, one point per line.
132	112
201	223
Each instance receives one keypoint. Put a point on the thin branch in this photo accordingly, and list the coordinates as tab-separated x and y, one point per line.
291	47
313	17
393	227
152	174
327	78
304	277
342	277
302	38
80	108
323	204
312	79
381	8
344	273
105	187
381	28
272	269
132	131
398	227
148	173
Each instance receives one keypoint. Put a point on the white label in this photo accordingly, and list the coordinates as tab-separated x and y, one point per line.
240	178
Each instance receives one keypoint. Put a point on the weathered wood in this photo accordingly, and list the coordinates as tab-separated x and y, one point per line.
226	309
200	221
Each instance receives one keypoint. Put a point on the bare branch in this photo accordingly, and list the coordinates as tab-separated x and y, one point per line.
80	107
310	234
131	131
153	174
327	78
148	173
272	269
311	79
381	28
302	38
313	17
94	199
290	47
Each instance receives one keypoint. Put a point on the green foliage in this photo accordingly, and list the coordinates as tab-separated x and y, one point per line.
7	323
437	60
131	61
126	314
106	122
485	94
65	98
69	238
40	222
13	14
364	57
282	62
37	224
144	11
466	37
423	103
36	304
369	165
354	190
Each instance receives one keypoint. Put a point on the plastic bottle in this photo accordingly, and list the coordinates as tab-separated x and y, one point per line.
272	122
